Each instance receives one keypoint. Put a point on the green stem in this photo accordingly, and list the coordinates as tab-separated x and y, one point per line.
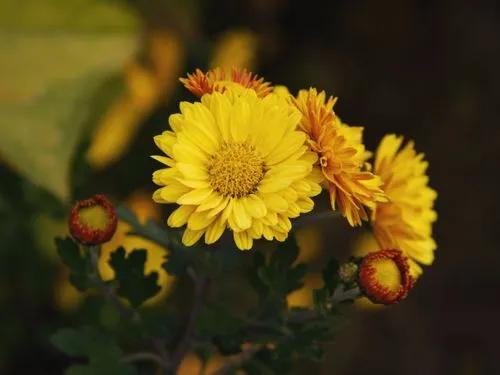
146	356
238	360
314	217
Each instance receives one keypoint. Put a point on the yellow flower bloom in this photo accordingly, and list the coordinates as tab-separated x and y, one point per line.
237	161
405	222
219	79
235	48
341	156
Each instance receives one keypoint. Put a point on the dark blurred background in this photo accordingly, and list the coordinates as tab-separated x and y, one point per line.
428	70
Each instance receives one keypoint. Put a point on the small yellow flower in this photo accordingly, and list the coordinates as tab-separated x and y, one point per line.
236	160
405	222
235	48
219	79
342	156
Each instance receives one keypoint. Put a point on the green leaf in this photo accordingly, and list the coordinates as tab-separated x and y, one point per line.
104	355
133	284
313	352
52	70
158	324
320	300
218	324
217	320
330	275
151	230
286	253
77	262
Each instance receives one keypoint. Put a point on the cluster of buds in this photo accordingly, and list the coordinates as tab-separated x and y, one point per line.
382	276
93	221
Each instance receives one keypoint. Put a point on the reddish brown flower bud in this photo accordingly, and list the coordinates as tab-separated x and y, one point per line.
384	276
93	221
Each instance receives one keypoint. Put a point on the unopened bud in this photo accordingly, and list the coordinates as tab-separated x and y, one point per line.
348	272
384	276
93	221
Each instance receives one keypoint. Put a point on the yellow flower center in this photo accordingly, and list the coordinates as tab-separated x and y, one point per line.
387	274
94	217
235	170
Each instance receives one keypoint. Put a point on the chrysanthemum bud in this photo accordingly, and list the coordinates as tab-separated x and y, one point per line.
348	272
93	221
384	276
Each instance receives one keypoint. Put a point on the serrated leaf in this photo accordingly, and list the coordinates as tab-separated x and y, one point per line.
330	275
133	284
286	253
70	254
77	262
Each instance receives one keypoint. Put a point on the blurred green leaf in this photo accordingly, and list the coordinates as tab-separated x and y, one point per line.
320	299
38	138
286	253
279	275
133	284
56	55
150	230
330	275
218	324
70	15
104	355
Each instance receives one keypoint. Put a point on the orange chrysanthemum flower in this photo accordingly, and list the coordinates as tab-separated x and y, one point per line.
342	156
217	79
384	276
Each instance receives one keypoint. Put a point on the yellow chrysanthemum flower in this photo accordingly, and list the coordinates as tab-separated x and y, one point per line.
405	222
341	156
236	160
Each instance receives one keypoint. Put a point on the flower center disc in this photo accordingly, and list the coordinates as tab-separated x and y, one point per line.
388	274
235	170
94	217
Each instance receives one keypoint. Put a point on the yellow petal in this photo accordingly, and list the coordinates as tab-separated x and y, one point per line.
275	202
190	237
254	206
199	220
170	193
214	231
194	196
164	176
220	207
243	240
166	141
164	160
180	216
240	218
193	171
